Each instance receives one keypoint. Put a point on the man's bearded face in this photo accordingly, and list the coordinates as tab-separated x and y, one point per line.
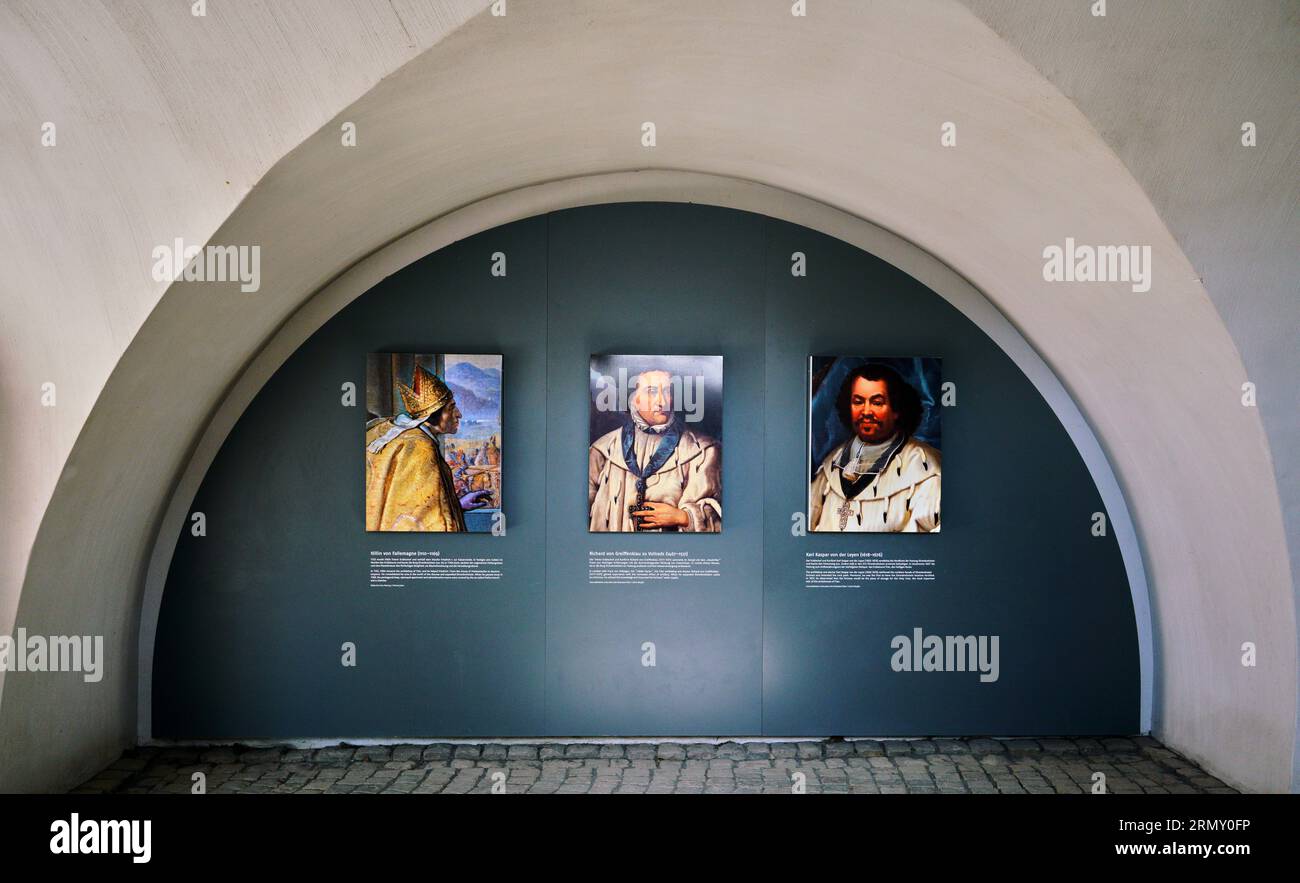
653	397
874	419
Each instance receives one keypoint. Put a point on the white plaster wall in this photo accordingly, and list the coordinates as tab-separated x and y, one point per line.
843	107
1168	84
164	122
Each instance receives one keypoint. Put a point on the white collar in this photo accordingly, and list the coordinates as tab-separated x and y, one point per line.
639	422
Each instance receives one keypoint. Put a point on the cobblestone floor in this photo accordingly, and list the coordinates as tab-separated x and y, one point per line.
1008	766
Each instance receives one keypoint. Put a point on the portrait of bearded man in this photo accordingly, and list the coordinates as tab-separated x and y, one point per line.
881	479
653	472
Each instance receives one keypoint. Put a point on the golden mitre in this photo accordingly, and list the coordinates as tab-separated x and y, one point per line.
428	395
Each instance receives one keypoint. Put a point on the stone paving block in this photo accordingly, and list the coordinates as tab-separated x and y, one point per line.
1022	746
1059	746
375	753
670	751
179	756
951	746
260	769
147	752
219	755
730	751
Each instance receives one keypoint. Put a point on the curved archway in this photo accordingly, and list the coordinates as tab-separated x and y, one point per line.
615	188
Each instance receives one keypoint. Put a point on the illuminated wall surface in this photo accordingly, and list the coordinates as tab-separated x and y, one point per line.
256	611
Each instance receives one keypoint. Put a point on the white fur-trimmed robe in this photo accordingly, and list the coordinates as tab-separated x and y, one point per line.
691	480
904	498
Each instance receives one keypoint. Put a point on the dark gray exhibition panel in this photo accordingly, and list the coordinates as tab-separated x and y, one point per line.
689	282
1015	558
255	612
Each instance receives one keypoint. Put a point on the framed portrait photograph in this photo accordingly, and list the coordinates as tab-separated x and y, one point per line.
874	444
433	442
655	454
